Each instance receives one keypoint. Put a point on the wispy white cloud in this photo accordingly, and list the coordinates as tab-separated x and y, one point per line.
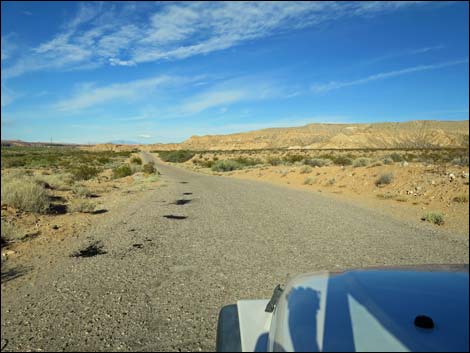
97	95
109	34
333	85
404	53
145	136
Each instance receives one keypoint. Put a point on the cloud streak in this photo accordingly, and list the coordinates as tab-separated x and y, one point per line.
108	34
334	85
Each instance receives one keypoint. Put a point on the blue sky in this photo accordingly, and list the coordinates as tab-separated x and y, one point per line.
88	72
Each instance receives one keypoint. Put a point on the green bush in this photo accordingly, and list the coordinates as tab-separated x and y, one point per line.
384	179
342	160
84	172
292	158
149	168
248	161
136	160
388	160
436	218
226	165
122	171
24	194
176	156
361	162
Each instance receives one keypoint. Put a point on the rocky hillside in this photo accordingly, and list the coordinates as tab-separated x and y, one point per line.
412	134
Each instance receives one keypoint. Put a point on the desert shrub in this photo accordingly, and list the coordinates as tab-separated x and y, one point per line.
309	181
361	162
341	160
436	218
122	171
80	205
331	181
396	157
316	162
81	191
24	194
103	160
462	161
400	198
305	169
273	160
205	164
461	198
226	165
176	156
384	179
56	181
9	232
387	161
84	172
292	158
136	160
375	164
149	168
248	161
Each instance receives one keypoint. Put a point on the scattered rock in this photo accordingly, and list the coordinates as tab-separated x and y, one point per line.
465	175
404	164
55	226
451	177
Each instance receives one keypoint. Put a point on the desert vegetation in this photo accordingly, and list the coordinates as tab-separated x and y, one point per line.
44	182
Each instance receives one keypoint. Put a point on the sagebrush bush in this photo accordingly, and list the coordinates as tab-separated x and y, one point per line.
462	161
136	160
84	172
176	156
81	191
384	179
57	181
122	171
292	158
24	194
80	205
149	168
361	162
309	181
273	160
317	162
387	161
305	169
226	165
436	218
396	157
9	232
342	160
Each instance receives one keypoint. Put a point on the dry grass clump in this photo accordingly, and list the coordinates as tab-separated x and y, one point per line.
309	181
80	205
24	194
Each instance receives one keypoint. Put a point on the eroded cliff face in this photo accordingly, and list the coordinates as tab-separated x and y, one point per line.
412	134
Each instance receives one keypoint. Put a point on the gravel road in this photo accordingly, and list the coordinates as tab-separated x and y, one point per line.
162	280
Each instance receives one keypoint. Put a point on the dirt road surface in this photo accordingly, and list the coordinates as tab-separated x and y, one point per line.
174	257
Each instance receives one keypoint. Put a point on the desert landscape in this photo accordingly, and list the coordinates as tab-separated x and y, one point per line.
234	176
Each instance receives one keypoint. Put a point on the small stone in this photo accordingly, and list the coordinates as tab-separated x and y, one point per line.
55	226
451	177
404	164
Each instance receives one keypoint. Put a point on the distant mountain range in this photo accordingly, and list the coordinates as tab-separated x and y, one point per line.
411	134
